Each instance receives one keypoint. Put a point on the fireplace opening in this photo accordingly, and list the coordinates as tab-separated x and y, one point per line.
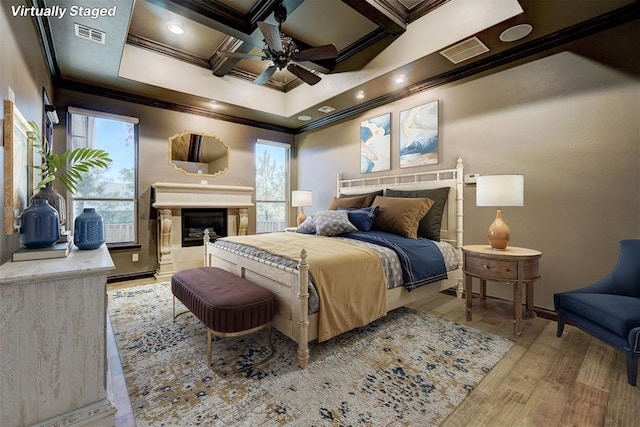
195	221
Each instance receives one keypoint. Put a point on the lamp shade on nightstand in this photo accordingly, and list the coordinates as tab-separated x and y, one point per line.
301	199
499	191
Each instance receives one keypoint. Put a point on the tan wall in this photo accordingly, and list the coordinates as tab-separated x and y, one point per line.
22	68
155	128
570	125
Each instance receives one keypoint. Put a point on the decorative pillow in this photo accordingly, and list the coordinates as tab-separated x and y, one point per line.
363	218
370	196
356	202
400	215
431	224
307	227
332	223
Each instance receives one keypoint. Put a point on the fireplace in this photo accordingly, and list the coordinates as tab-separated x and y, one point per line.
195	221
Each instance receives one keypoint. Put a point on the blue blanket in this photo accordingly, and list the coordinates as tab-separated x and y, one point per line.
420	259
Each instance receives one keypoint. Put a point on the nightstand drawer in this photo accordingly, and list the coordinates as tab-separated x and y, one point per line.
491	268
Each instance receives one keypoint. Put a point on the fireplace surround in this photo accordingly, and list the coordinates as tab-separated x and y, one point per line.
170	198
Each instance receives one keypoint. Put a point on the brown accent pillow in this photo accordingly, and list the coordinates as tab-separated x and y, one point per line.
348	203
400	215
370	196
431	224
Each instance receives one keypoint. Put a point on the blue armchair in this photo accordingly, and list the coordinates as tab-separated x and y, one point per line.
610	309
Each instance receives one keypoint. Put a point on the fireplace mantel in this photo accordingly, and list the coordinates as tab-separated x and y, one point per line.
178	195
172	195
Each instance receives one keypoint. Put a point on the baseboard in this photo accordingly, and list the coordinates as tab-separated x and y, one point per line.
130	276
543	313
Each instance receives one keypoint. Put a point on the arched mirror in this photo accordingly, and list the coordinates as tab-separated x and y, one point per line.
195	153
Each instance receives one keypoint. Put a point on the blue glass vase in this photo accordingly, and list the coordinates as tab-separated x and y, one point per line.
88	230
39	225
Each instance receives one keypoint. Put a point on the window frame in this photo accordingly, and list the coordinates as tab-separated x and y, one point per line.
287	173
72	198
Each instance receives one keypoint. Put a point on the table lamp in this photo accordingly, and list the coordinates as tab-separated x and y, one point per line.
301	198
500	190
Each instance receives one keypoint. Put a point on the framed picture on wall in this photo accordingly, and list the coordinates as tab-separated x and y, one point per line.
419	135
375	144
17	159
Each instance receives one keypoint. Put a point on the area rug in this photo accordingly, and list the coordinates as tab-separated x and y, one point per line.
407	368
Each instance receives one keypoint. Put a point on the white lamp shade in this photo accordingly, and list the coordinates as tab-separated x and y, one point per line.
301	198
500	190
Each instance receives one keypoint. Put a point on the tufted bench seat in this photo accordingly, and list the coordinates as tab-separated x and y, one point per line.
226	304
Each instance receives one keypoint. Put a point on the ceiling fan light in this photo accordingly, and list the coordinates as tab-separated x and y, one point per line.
175	28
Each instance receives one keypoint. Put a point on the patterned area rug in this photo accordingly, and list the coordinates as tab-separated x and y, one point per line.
407	368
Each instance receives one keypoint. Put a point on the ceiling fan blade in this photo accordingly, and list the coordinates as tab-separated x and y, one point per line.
305	75
238	55
327	51
265	75
271	35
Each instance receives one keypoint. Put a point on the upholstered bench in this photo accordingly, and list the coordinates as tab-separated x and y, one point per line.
226	304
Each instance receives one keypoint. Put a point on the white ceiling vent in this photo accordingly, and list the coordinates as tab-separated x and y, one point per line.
326	109
464	50
89	33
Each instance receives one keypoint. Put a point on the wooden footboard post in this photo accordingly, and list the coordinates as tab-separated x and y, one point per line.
303	321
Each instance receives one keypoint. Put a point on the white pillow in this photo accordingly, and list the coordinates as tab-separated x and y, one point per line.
307	227
332	223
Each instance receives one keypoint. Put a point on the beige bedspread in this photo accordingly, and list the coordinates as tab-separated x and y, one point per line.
348	277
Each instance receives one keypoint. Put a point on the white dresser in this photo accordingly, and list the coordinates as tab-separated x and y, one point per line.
53	362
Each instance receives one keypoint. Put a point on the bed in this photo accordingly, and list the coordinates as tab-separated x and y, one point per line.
286	270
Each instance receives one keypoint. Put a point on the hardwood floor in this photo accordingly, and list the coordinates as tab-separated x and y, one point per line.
543	380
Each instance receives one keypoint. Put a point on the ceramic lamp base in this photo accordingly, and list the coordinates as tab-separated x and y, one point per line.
302	217
499	233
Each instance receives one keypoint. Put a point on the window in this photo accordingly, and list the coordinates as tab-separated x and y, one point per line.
272	186
112	191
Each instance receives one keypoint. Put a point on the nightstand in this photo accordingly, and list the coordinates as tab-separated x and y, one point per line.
516	266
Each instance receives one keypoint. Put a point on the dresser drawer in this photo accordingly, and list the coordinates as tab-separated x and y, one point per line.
491	268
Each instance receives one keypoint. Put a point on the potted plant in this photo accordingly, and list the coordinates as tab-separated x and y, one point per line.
67	168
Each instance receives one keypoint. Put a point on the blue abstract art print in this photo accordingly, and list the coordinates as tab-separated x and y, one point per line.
419	135
375	144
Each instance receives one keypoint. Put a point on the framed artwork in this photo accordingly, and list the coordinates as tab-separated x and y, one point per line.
17	155
419	135
375	144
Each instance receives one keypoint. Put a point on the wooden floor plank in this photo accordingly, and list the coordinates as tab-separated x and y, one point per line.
545	405
586	407
623	407
597	366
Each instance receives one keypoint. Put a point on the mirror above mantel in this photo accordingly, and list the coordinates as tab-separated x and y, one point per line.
195	153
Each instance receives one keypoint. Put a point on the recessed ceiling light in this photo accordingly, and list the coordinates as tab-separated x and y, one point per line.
516	32
400	78
326	109
304	118
360	95
175	28
213	103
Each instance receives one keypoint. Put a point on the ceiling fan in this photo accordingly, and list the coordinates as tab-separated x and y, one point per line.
283	52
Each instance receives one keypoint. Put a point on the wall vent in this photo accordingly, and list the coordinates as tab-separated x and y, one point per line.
89	33
464	50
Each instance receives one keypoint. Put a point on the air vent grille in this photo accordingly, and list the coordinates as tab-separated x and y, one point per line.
326	109
464	50
89	33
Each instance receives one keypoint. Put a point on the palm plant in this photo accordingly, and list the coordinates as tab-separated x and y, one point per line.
67	167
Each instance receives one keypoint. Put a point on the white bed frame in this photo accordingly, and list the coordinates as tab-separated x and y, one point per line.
290	285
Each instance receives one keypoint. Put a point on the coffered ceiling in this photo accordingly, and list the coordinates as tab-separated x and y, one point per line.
379	42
